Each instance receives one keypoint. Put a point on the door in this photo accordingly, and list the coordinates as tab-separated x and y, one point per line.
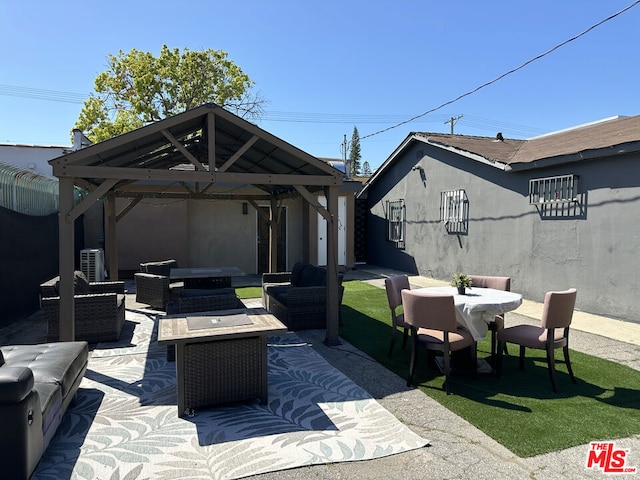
263	241
342	232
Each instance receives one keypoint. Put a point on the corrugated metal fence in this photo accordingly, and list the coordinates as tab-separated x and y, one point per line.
27	192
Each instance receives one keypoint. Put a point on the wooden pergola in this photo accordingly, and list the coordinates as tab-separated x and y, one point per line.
203	153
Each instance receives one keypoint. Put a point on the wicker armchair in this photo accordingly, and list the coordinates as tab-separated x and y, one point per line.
298	298
153	285
50	287
99	309
98	317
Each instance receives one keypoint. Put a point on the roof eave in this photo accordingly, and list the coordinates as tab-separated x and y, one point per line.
606	152
473	156
390	159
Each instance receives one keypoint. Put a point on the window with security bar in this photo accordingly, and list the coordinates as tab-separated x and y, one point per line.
454	211
396	222
562	189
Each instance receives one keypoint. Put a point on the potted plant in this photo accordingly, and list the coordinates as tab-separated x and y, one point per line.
461	281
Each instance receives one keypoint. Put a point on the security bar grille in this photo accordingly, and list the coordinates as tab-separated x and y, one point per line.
454	211
396	222
562	189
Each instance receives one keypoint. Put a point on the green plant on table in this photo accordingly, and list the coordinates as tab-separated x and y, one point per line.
461	280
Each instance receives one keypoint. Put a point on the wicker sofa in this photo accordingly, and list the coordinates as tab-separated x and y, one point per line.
153	285
298	298
99	309
37	385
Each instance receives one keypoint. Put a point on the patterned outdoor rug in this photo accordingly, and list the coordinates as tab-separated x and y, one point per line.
125	422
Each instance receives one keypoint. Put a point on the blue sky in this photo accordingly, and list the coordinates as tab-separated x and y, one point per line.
325	67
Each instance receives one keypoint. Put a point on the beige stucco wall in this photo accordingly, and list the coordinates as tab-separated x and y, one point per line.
155	229
201	233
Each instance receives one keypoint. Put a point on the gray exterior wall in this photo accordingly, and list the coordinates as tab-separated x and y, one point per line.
595	251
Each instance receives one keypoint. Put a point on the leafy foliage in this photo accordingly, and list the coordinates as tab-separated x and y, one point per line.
460	280
138	88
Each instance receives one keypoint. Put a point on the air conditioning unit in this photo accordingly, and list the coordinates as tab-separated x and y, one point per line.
92	264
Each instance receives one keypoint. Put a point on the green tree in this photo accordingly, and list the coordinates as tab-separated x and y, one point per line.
354	153
138	88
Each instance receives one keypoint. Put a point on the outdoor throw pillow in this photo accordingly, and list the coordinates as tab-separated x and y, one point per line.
296	273
80	283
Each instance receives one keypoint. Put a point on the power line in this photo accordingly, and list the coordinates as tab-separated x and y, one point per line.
298	117
470	92
41	94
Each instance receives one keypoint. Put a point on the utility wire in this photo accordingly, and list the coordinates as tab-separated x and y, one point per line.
297	117
504	74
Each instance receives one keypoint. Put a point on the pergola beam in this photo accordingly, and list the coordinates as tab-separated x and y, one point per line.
241	151
187	154
122	173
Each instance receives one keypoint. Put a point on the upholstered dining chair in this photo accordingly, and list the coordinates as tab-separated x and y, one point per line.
551	334
497	283
394	285
432	318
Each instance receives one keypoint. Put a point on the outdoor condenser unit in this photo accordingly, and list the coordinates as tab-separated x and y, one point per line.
92	264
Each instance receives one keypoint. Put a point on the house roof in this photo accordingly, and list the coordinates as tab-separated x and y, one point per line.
606	138
617	135
203	152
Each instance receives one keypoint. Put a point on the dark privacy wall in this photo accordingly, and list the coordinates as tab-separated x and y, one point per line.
28	256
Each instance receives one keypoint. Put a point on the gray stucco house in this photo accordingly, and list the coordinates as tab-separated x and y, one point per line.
556	211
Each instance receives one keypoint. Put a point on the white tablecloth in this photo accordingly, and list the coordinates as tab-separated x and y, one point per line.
478	306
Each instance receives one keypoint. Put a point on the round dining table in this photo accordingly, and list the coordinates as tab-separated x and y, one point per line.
478	306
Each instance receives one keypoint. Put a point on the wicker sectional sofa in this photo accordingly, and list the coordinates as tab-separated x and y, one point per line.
298	298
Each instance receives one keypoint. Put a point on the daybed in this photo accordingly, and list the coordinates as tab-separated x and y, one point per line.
99	309
37	385
298	298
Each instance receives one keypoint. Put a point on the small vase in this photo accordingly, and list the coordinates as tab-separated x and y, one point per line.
460	290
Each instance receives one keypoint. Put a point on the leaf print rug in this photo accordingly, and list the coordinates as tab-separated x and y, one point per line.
124	424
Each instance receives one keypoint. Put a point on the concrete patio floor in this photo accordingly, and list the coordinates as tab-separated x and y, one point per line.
457	449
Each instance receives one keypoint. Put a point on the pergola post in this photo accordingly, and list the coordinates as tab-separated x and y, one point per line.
66	259
273	235
333	300
111	240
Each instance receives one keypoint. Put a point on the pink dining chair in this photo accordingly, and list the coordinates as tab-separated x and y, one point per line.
432	317
497	283
551	334
394	285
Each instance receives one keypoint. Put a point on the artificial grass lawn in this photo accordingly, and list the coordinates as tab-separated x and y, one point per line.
519	410
249	292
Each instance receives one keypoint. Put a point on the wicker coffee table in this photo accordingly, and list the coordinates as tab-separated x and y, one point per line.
221	357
